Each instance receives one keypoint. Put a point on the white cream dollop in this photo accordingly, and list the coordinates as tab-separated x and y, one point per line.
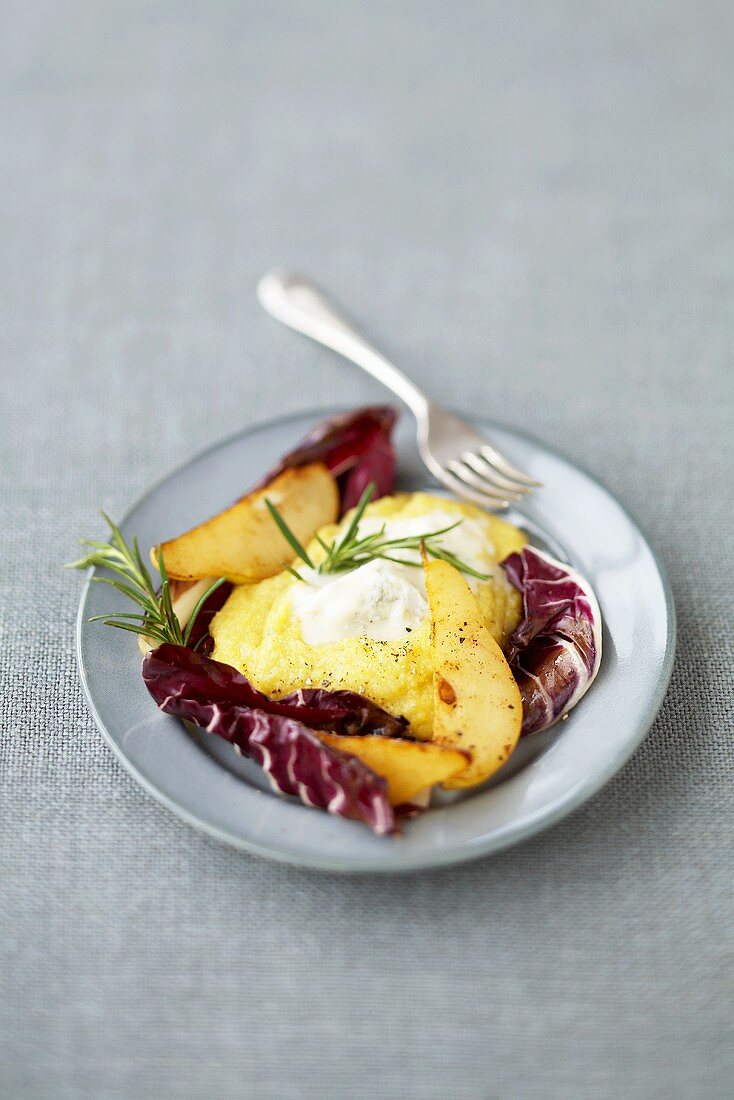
376	600
383	600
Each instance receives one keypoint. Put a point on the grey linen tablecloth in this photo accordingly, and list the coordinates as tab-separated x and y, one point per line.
530	207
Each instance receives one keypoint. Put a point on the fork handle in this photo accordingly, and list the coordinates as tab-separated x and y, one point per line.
298	304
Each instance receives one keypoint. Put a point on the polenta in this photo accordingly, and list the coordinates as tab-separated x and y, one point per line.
260	632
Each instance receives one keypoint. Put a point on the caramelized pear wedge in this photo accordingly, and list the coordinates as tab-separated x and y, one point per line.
243	543
477	704
410	767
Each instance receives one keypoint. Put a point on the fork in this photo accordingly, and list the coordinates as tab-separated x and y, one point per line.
459	457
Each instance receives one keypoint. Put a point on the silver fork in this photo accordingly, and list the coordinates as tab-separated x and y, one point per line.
458	456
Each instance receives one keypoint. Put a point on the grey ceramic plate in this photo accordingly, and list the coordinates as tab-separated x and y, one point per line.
204	782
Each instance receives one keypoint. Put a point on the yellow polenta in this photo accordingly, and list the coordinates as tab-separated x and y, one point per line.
258	633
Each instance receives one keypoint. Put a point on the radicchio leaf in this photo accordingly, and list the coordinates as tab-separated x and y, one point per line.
175	669
218	698
357	448
555	652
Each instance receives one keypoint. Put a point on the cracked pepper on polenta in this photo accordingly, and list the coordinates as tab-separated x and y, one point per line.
367	629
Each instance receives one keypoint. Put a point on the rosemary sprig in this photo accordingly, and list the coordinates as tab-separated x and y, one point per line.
157	619
349	551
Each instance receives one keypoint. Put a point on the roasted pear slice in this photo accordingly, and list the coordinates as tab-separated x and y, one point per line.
410	767
243	543
477	704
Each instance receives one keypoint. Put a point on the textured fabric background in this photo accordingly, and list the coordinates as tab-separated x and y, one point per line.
529	206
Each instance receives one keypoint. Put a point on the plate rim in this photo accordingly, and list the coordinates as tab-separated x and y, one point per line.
544	818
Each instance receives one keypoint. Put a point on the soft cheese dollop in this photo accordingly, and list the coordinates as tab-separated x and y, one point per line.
377	600
383	600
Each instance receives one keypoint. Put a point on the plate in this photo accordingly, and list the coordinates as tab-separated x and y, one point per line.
201	778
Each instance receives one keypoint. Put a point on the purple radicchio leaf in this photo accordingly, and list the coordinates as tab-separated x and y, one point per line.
555	652
355	446
171	667
214	696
